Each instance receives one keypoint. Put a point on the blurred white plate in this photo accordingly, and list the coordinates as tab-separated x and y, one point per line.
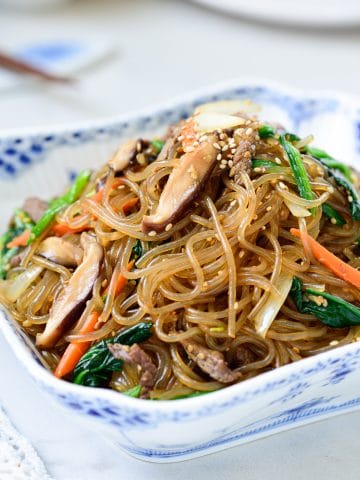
326	13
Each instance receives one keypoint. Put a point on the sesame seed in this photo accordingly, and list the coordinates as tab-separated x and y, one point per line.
257	170
333	343
180	138
233	202
236	305
189	149
222	166
255	217
278	161
152	233
217	146
225	147
168	227
233	150
232	172
296	349
333	221
222	136
241	253
220	272
249	131
350	198
263	227
219	156
269	208
190	348
230	163
282	185
201	356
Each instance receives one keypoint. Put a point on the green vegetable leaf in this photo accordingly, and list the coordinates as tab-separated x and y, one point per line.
196	393
266	131
19	223
133	392
96	365
58	204
334	216
157	144
298	169
333	311
271	167
329	161
353	195
137	250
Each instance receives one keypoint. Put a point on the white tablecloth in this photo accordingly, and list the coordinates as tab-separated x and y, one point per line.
165	48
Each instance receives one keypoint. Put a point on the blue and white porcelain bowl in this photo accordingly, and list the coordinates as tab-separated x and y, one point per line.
41	162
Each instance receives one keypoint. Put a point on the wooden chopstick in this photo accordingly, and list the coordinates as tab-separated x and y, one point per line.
22	67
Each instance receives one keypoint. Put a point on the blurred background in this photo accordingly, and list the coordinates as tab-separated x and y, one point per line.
129	54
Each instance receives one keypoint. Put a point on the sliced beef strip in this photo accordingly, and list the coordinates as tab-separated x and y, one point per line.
35	207
136	356
211	362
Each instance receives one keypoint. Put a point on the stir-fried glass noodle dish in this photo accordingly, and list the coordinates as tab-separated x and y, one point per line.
187	263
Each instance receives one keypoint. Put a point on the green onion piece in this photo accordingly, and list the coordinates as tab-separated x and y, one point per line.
57	205
298	169
329	161
266	131
157	144
334	216
133	392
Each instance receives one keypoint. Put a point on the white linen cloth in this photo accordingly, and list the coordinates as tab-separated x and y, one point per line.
18	459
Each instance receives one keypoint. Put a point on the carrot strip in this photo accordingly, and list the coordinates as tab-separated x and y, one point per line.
74	351
329	260
129	204
121	282
98	196
20	241
61	229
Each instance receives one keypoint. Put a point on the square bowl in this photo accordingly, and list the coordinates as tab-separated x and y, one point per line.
42	161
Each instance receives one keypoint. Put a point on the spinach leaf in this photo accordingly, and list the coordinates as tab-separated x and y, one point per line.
19	223
137	250
96	365
158	144
298	169
192	394
329	161
271	167
332	311
133	392
334	216
266	131
353	195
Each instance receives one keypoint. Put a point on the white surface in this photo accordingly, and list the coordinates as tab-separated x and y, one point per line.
18	459
306	12
167	48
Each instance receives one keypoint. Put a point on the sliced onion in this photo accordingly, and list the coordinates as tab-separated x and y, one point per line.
229	107
13	288
267	314
296	210
208	122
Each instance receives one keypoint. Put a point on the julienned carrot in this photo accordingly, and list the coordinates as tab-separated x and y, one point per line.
98	196
74	351
329	260
20	241
129	204
121	282
61	229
